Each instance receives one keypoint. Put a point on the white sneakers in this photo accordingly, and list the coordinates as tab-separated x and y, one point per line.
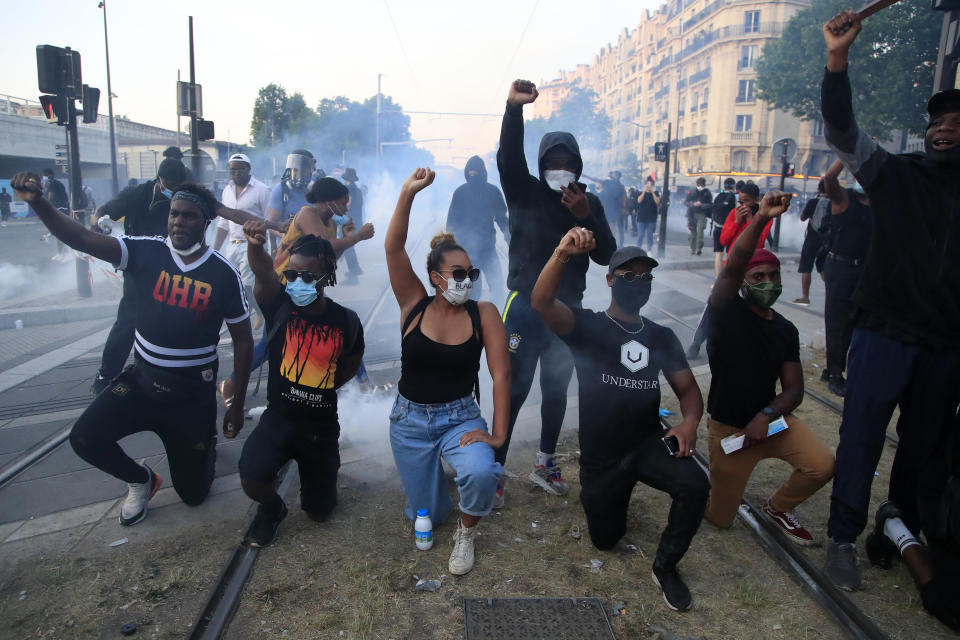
134	508
461	558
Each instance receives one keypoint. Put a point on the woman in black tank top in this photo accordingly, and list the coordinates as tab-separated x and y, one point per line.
435	415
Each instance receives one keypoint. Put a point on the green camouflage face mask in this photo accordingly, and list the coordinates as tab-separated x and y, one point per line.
762	295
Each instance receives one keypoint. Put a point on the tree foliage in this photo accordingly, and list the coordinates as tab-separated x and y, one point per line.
892	65
578	114
338	129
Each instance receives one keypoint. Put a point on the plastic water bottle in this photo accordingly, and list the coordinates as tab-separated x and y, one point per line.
423	530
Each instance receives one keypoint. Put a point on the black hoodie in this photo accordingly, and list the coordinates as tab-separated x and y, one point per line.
910	287
474	208
537	218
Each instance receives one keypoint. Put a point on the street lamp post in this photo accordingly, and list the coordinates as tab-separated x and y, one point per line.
113	134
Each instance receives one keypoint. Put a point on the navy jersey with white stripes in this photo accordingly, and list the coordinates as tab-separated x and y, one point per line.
180	307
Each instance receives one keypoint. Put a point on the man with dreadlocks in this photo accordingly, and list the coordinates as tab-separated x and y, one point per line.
185	291
314	346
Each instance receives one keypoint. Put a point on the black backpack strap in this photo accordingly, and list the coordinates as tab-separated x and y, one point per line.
474	310
279	319
417	310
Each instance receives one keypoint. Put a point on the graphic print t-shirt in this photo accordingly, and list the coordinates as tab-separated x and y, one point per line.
618	373
181	307
304	355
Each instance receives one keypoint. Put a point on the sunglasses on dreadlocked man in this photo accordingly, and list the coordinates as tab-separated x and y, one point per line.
308	277
459	275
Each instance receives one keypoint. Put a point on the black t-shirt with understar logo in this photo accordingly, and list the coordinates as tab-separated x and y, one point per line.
304	356
619	377
181	307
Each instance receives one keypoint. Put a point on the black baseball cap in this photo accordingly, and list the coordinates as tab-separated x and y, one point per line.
947	101
624	255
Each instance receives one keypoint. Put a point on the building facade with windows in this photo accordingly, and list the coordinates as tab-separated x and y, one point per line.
692	65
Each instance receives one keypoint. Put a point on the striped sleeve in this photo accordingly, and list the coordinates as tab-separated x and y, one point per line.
236	308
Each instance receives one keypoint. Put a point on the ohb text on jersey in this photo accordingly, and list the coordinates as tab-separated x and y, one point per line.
181	291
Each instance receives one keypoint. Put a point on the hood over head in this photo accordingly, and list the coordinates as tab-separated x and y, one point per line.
476	164
561	141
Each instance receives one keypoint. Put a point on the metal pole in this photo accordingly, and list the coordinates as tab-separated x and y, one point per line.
377	150
113	134
194	142
665	200
783	178
178	111
946	73
84	288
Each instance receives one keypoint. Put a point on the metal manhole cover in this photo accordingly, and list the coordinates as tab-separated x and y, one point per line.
536	618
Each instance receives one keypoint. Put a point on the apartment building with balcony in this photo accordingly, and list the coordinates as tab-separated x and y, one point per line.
692	65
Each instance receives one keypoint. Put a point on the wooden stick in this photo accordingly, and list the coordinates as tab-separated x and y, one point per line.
871	8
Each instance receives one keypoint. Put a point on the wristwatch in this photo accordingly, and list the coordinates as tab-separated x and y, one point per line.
769	412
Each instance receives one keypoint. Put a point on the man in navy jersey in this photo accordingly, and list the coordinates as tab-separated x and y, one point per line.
185	291
619	356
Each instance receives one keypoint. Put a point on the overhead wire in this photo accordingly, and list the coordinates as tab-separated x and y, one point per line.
523	35
403	49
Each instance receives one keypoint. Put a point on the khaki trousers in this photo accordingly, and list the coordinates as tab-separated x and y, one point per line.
812	466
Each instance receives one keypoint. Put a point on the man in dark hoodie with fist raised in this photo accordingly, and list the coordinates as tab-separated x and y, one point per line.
474	209
542	209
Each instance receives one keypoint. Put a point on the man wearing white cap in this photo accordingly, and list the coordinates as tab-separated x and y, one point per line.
248	194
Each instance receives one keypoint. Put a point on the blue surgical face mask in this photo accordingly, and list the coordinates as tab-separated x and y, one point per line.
167	193
301	293
341	220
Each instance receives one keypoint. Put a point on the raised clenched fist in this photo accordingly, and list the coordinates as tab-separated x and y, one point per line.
522	92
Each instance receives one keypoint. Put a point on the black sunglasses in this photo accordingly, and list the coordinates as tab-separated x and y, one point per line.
459	275
308	277
630	276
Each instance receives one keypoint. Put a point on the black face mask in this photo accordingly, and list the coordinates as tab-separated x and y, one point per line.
631	296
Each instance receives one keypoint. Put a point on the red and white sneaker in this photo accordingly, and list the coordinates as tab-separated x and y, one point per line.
134	508
789	524
550	479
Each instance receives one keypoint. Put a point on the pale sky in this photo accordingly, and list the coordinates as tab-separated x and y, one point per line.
454	57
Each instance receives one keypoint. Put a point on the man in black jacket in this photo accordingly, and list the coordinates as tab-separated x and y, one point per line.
474	208
906	344
542	210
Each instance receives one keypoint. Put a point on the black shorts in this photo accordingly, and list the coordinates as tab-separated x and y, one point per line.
717	230
809	252
278	439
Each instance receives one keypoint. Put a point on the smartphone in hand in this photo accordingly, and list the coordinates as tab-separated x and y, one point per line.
672	445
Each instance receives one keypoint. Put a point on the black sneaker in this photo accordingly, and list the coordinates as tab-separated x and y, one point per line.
837	384
880	549
100	384
263	530
675	592
824	376
841	566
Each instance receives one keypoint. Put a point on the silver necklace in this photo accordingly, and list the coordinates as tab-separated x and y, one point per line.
621	326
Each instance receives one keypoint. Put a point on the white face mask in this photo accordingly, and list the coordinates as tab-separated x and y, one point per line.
458	293
699	188
183	252
556	178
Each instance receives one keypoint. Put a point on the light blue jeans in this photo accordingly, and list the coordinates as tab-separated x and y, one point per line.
420	434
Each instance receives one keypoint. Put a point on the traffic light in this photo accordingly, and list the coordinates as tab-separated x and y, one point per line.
91	103
54	107
58	70
204	129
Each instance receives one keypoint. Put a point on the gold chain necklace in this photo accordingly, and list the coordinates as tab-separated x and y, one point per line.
621	326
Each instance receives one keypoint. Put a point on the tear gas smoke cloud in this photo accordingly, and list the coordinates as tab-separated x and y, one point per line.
57	277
